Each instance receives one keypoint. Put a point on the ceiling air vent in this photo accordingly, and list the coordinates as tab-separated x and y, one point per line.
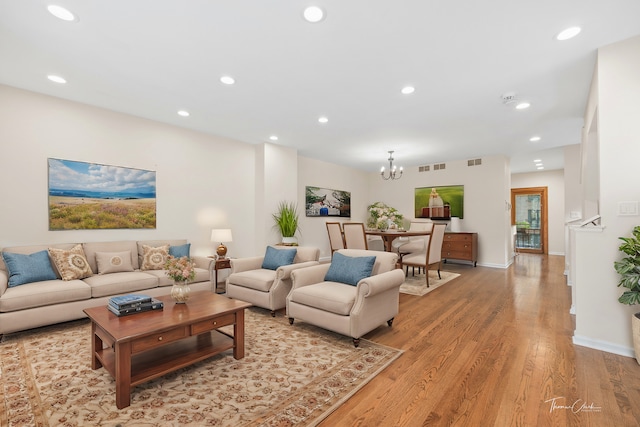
439	166
474	162
423	168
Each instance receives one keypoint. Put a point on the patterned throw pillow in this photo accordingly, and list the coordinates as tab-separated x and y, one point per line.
113	262
154	258
71	264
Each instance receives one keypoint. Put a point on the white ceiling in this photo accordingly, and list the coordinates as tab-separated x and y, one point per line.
151	58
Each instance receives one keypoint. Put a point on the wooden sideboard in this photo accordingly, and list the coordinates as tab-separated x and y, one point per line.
460	246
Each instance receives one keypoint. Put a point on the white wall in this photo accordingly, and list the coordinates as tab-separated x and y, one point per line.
203	182
554	181
601	321
486	195
316	173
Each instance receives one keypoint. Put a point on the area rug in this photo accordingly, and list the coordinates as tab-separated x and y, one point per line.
417	285
291	375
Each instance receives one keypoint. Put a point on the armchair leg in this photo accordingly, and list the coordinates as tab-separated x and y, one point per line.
356	342
390	321
273	313
291	320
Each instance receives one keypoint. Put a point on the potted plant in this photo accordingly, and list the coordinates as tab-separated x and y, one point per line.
286	219
629	270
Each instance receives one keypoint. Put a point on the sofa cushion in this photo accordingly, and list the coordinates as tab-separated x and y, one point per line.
113	262
120	283
154	258
333	297
154	244
44	293
349	270
90	249
180	251
72	264
276	258
29	268
261	279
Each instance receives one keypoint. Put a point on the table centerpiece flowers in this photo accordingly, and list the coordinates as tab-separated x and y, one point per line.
382	216
182	270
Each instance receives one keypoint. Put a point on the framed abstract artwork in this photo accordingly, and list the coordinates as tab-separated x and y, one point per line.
85	196
327	202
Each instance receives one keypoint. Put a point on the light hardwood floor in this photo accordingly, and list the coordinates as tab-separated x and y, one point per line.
493	348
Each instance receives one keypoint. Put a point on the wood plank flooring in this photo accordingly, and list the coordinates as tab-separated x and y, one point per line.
494	348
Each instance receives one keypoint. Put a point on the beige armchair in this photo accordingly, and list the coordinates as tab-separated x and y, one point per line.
343	308
264	287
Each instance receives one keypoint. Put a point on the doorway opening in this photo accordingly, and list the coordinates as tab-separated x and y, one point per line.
529	216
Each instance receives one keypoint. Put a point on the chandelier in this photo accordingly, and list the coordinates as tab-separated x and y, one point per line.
394	173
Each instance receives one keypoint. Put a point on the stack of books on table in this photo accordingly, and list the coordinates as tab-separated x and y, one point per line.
123	305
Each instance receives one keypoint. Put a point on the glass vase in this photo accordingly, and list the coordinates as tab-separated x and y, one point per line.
180	292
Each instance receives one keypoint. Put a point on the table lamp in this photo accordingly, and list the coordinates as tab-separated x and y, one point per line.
221	235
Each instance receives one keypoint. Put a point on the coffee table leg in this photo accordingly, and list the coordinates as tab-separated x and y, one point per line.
123	374
238	335
96	344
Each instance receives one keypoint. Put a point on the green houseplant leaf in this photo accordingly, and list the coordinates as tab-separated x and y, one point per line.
286	218
629	268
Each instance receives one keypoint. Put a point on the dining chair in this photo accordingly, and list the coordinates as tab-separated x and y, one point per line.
354	235
336	239
406	245
431	256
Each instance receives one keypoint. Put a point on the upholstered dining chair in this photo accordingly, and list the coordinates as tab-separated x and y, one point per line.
354	235
336	239
405	245
430	256
265	281
354	294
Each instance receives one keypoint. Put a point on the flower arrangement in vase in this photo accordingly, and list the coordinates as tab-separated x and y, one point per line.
382	216
181	270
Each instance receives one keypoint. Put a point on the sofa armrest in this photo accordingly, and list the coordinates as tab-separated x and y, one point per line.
246	264
309	275
203	262
379	283
284	272
4	281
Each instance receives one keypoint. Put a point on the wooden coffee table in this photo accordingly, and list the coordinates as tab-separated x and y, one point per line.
143	346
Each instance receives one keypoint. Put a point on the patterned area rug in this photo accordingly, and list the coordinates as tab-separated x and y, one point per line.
417	285
290	376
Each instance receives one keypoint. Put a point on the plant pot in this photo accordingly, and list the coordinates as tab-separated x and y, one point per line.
289	241
635	328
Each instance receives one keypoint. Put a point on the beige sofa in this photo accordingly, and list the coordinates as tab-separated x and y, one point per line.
51	301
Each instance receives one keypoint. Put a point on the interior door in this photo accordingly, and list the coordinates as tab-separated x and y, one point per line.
529	215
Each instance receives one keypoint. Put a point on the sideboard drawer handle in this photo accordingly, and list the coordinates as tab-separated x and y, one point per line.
215	323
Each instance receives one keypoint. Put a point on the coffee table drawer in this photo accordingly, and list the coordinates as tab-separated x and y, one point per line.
157	340
211	324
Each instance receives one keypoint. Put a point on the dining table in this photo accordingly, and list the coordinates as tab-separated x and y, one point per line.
389	235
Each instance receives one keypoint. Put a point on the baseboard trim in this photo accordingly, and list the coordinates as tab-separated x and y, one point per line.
603	346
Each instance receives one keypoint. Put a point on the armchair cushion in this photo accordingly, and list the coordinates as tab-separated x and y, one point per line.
260	280
349	270
333	297
276	258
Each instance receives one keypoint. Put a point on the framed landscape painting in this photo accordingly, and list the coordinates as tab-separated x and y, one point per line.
84	196
327	202
452	196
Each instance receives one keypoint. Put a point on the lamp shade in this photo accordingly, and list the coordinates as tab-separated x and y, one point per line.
221	235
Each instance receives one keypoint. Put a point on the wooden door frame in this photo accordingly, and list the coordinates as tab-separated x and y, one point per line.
544	223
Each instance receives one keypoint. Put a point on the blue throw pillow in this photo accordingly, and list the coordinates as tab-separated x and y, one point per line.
275	258
349	270
180	251
23	269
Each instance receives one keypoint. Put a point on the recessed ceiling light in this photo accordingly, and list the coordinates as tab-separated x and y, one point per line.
313	14
273	138
535	139
228	80
408	89
183	113
537	161
56	79
523	106
61	13
569	33
323	119
540	168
